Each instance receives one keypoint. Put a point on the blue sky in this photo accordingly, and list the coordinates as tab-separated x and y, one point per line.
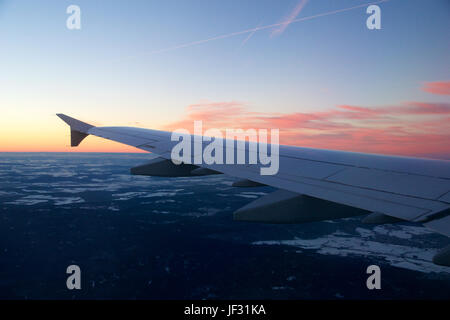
107	69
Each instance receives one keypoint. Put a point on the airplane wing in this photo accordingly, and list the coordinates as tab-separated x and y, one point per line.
313	184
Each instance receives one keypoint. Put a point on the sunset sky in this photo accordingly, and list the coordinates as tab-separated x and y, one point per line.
310	69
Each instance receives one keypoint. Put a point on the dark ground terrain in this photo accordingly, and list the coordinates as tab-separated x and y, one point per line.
154	238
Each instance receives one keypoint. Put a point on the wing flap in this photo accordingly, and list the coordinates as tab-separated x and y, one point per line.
399	206
405	184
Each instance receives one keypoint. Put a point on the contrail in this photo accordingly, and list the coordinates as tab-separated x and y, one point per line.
298	8
249	36
253	30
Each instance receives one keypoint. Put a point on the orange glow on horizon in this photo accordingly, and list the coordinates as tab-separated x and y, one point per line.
411	128
62	144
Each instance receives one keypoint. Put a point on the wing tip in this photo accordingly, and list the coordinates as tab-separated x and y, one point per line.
75	124
78	129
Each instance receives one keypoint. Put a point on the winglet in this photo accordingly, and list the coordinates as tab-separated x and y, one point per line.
78	129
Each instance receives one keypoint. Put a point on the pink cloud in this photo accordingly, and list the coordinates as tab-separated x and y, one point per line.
428	108
412	128
437	87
